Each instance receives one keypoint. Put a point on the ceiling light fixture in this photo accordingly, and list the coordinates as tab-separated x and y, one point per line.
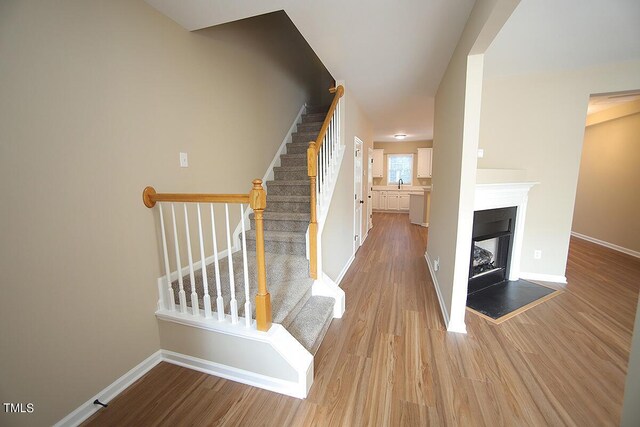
400	136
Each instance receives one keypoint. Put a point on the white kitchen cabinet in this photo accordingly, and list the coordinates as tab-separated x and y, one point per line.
403	202
392	201
424	162
375	199
378	163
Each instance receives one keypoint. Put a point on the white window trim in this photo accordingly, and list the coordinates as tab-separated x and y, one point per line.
412	167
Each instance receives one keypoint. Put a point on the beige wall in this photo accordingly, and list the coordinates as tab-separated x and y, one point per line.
402	147
544	136
607	199
96	100
454	156
338	234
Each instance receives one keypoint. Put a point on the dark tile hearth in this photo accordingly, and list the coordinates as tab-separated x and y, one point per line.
506	297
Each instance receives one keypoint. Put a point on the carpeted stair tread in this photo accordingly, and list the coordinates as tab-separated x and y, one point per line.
314	126
317	109
312	322
279	236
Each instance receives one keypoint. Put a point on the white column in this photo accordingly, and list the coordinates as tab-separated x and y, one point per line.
195	310
206	299
181	295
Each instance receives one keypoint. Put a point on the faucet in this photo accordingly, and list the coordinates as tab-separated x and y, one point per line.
400	182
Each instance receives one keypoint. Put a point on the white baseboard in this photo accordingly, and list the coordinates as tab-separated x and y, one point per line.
443	308
607	244
345	269
553	278
234	374
87	409
290	349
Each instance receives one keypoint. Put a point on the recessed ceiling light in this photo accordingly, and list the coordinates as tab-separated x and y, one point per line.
400	136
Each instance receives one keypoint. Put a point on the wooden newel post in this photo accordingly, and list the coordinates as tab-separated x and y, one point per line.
312	172
258	202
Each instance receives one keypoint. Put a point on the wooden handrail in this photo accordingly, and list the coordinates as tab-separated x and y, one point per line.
339	91
257	199
312	172
150	197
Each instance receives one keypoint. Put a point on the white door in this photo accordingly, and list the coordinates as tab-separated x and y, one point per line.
370	189
357	190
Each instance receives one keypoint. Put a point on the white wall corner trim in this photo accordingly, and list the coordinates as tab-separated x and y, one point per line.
443	307
553	278
607	244
87	409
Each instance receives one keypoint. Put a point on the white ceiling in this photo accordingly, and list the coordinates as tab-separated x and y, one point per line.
547	35
391	54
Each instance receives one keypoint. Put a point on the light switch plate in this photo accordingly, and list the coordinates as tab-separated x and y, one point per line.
480	153
184	160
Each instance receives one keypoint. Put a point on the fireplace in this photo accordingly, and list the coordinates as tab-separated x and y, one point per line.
491	249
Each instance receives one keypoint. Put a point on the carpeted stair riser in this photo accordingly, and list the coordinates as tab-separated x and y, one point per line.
297	148
314	117
273	225
293	248
293	160
303	137
296	173
288	188
297	204
317	109
309	126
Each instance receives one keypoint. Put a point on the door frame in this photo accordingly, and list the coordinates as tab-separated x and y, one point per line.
357	206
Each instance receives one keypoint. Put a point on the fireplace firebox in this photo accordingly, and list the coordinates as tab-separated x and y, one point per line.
491	246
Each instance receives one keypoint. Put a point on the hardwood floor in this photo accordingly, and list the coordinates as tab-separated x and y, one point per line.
389	361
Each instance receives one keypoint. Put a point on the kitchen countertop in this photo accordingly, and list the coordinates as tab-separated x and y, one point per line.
409	188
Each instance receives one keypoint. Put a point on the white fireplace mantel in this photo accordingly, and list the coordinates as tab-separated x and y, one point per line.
504	195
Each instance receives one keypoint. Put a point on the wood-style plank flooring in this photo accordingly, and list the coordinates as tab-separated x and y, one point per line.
389	361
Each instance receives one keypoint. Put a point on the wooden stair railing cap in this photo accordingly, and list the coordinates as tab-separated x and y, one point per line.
150	197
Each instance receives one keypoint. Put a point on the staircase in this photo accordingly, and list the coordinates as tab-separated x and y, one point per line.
285	220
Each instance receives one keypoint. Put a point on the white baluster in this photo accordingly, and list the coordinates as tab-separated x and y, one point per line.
247	297
195	309
182	297
232	283
219	299
206	299
168	300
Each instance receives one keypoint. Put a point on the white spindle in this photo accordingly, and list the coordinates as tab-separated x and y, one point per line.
168	301
232	285
247	298
219	299
206	299
194	296
181	295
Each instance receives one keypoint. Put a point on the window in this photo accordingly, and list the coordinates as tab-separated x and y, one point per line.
399	166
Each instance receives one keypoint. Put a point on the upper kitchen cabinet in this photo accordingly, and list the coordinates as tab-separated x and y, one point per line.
424	162
378	163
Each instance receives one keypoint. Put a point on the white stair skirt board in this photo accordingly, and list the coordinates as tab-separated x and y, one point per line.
543	277
229	351
87	409
451	327
606	244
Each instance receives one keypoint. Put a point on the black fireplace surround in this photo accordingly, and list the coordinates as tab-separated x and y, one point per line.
491	245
